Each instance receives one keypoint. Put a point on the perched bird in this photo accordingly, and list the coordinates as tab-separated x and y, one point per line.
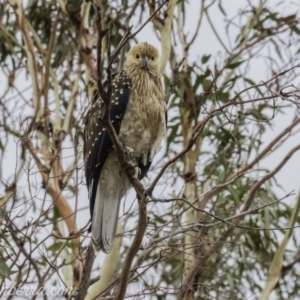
138	115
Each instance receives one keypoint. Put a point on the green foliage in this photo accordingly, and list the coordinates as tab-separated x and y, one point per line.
5	271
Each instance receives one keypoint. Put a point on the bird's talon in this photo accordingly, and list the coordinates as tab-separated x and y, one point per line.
136	172
128	150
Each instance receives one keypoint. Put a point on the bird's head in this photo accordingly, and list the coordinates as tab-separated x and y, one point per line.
143	56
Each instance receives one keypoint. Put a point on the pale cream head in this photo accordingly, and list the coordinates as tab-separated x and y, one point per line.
144	56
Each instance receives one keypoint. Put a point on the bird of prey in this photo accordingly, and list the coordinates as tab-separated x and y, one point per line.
138	115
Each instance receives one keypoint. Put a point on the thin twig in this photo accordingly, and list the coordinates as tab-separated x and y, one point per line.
86	273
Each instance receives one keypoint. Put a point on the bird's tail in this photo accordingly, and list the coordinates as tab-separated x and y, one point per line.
112	186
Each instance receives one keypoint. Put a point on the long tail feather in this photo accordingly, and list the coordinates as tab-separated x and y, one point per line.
111	188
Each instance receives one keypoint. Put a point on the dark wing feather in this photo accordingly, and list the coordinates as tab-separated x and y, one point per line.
166	117
97	142
144	169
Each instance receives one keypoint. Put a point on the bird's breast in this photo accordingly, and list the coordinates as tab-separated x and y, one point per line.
143	125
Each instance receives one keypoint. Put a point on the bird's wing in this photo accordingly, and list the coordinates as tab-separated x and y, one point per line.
97	142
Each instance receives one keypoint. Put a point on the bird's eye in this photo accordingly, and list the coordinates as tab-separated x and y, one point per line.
152	58
137	56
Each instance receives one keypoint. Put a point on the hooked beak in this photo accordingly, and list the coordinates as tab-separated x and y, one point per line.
145	62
